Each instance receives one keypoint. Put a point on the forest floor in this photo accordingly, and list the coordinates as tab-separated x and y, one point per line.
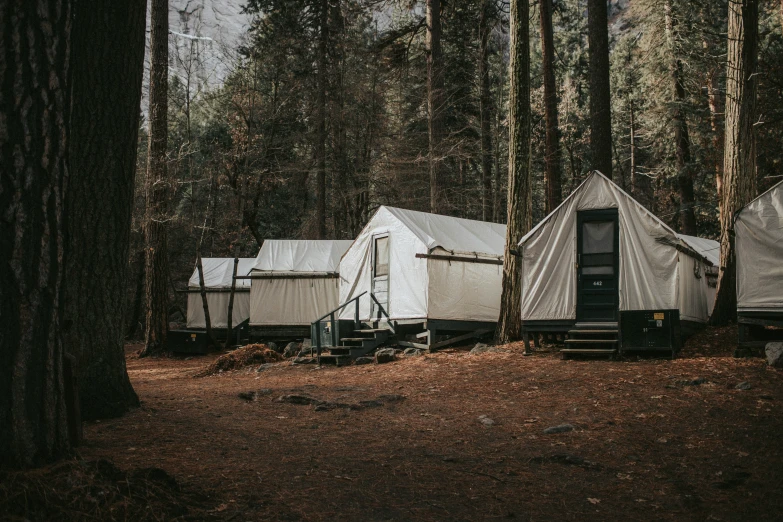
453	436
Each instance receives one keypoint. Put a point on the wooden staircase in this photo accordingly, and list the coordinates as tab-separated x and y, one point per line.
592	339
362	342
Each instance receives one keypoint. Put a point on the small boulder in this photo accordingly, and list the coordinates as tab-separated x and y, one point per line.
306	343
412	352
484	348
304	360
274	347
486	421
385	355
302	400
291	349
744	386
774	353
364	360
479	348
560	428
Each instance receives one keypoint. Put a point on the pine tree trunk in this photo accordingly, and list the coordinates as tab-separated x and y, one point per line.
600	94
34	137
157	185
486	110
739	156
230	319
320	145
681	138
107	69
716	111
520	203
435	101
554	192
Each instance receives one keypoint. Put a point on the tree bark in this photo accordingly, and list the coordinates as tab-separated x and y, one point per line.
739	156
554	192
34	136
320	145
520	204
600	94
435	103
107	69
486	109
157	185
681	138
205	303
714	103
230	319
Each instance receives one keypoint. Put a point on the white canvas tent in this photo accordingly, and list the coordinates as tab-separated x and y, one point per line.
759	246
294	282
218	273
657	269
425	266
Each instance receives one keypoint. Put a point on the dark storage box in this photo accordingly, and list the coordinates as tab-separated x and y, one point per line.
188	341
650	330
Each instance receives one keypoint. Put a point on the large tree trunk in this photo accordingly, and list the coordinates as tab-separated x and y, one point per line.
715	105
680	124
435	101
320	144
34	136
520	205
108	51
739	156
600	97
157	185
554	192
486	110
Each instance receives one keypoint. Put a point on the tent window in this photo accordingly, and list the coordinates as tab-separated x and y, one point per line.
598	248
381	256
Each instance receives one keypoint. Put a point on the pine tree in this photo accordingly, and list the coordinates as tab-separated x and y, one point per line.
519	176
34	140
739	157
157	184
600	89
107	69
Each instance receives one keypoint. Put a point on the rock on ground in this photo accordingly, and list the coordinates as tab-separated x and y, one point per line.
291	349
774	352
744	386
385	355
484	348
412	352
561	428
364	360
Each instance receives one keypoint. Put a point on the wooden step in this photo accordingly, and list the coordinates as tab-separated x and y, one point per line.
591	332
590	351
591	341
595	325
340	350
372	330
356	339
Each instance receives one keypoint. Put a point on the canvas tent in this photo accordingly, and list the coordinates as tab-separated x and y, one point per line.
218	273
759	248
600	253
294	282
423	267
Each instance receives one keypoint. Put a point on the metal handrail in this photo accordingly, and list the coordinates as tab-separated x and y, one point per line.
335	333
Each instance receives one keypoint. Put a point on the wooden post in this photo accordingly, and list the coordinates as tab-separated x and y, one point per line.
204	302
230	319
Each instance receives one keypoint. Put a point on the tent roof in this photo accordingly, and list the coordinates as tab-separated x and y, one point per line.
292	255
709	248
218	272
593	177
767	195
453	234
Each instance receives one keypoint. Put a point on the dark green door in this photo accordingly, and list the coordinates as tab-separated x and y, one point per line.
598	263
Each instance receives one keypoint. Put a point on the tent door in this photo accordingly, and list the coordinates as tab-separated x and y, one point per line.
380	274
598	263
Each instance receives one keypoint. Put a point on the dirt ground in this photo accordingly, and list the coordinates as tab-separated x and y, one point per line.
453	436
